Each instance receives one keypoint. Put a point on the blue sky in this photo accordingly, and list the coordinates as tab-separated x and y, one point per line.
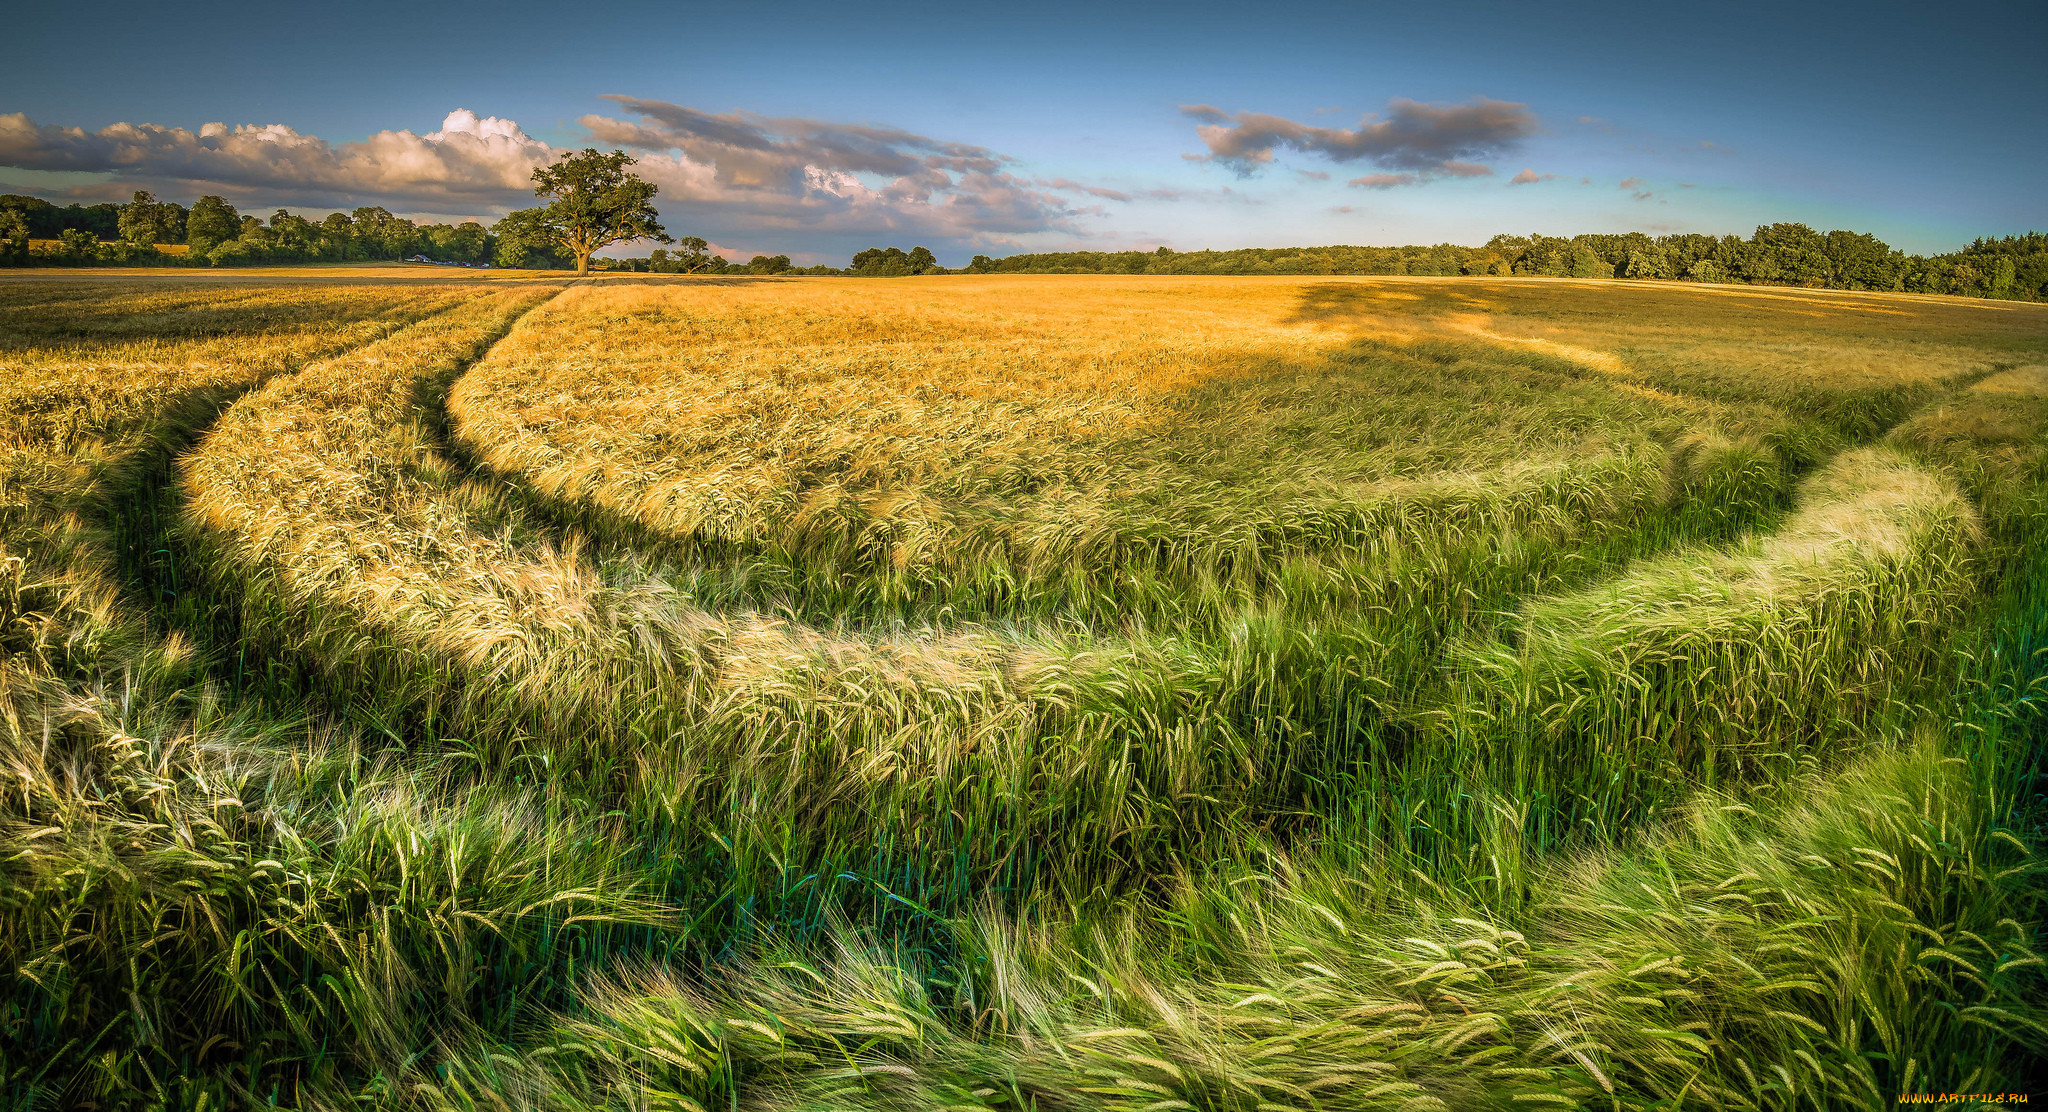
818	129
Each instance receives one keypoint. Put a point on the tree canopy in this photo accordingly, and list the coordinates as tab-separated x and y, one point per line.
148	220
211	223
893	262
596	202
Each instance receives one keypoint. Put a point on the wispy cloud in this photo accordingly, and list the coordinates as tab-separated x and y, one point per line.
1071	186
1530	177
1385	181
1639	188
1448	169
1412	141
1068	185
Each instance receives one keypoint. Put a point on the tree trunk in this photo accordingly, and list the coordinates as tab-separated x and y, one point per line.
582	263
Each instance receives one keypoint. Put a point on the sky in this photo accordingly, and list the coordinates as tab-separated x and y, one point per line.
819	129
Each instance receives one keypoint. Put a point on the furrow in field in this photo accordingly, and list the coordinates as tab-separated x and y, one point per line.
860	472
91	413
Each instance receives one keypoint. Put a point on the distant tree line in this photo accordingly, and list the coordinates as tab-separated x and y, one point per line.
214	233
34	231
875	262
2014	267
691	259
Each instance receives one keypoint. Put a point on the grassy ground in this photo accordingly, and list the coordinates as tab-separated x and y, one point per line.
1018	693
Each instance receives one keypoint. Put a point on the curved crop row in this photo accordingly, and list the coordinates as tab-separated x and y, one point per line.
324	498
1070	605
948	458
1830	941
185	877
1723	660
1864	938
322	501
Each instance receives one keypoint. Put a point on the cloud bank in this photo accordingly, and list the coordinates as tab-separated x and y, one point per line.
470	162
1411	142
732	177
767	183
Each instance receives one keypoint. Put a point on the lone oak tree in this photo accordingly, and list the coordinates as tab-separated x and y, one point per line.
597	202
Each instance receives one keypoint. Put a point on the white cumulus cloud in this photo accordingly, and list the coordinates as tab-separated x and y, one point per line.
471	161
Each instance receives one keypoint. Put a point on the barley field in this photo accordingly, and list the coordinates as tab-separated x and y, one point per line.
1020	693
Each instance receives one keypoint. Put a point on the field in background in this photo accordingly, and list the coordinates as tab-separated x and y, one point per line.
1018	693
163	248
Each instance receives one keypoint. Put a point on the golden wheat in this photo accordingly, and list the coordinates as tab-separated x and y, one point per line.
986	434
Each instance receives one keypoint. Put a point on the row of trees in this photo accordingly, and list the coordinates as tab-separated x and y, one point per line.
875	262
692	259
594	200
214	233
2014	267
43	220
